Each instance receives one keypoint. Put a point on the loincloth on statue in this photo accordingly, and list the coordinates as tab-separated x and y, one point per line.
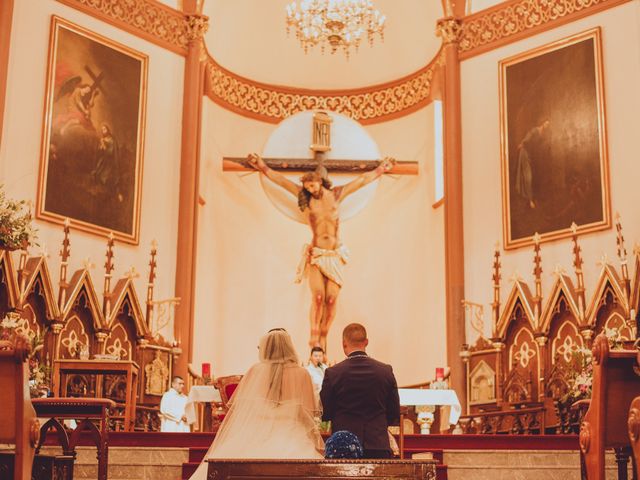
329	262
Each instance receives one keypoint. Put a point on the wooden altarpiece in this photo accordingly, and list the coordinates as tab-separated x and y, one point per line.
75	321
518	380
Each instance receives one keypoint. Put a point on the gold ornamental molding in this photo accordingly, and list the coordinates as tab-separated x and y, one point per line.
273	103
149	19
517	19
475	34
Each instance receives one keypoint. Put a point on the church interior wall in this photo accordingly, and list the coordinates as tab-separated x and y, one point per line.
247	44
248	253
481	160
21	141
474	6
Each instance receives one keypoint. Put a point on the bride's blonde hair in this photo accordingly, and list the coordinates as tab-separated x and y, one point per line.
276	348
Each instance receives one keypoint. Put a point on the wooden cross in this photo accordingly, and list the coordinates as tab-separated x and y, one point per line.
321	132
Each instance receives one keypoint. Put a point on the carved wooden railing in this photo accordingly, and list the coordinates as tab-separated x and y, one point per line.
521	421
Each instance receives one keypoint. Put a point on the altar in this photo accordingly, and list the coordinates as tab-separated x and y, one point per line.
116	380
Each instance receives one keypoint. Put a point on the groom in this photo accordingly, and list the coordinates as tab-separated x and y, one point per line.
360	395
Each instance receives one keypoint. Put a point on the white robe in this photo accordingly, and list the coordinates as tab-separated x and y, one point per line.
172	408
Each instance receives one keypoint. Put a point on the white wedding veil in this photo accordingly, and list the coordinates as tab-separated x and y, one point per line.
271	413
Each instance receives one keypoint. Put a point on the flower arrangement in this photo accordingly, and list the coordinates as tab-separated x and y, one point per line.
580	385
16	229
39	372
581	380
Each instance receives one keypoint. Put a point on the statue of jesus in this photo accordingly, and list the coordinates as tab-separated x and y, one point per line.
325	257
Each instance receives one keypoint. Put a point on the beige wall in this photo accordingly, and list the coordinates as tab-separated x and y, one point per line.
476	5
481	156
20	149
249	38
248	252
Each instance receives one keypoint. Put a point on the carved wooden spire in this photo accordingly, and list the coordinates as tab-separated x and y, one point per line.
537	273
622	256
577	264
22	274
65	253
495	306
108	269
151	284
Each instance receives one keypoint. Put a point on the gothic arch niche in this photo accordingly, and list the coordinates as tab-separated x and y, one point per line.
72	337
28	325
611	314
566	342
482	383
523	352
35	310
522	360
617	322
5	299
119	344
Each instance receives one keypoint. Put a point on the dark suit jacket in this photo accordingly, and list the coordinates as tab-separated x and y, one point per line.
360	395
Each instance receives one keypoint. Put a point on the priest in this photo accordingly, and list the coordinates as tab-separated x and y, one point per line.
172	408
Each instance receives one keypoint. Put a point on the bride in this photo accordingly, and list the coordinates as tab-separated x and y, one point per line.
271	412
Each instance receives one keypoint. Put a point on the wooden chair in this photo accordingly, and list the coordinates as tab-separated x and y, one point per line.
605	425
227	385
19	426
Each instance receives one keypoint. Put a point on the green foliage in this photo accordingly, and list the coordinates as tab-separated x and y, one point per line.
16	228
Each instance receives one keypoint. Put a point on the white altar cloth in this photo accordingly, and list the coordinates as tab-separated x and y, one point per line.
199	394
419	397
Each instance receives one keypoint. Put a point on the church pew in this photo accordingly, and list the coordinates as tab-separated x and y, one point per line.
19	426
615	384
223	469
633	426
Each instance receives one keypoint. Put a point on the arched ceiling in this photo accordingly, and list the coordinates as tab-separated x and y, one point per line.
248	37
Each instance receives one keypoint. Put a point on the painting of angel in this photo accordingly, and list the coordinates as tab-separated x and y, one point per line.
91	165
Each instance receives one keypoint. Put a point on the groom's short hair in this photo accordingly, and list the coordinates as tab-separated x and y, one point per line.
354	334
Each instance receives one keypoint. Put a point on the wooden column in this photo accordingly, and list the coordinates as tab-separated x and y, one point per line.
448	28
194	71
6	17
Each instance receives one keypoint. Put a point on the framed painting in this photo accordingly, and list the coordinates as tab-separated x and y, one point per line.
93	133
555	170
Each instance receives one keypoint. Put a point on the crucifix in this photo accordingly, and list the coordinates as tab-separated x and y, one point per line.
318	201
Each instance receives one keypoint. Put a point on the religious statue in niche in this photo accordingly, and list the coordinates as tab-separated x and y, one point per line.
157	376
91	165
325	256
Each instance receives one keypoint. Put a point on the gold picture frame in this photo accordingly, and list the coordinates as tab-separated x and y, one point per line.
92	149
553	141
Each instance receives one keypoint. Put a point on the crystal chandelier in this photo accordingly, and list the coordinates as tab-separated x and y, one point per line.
338	23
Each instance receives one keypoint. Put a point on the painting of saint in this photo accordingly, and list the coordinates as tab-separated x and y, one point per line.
91	166
553	144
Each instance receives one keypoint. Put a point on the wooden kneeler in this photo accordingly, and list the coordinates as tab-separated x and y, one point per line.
616	382
19	426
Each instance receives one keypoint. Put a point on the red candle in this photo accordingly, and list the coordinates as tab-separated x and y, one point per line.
439	374
206	369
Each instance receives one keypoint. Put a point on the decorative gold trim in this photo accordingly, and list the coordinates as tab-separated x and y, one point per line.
149	19
37	267
608	276
126	289
271	103
449	29
82	281
517	19
519	291
603	224
562	286
10	277
56	24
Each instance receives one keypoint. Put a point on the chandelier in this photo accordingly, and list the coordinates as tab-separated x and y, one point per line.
337	23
